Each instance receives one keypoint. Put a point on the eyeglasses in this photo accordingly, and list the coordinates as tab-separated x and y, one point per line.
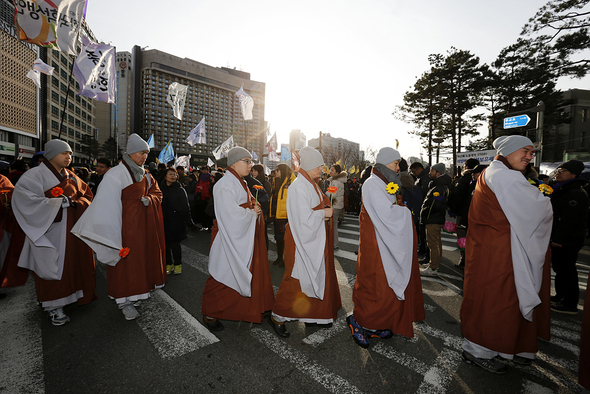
561	170
247	161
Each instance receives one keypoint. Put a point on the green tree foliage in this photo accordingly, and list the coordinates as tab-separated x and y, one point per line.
567	23
108	149
444	98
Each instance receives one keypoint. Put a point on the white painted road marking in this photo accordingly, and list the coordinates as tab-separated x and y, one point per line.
21	346
170	328
328	379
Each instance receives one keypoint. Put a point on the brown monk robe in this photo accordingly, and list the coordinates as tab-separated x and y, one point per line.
223	302
375	304
79	267
495	321
10	275
291	302
142	232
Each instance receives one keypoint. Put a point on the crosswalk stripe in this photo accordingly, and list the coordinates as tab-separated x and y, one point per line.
328	379
170	328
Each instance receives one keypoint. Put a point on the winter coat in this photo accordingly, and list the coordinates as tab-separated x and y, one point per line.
411	195
338	181
278	201
261	196
434	207
424	180
175	212
570	210
459	199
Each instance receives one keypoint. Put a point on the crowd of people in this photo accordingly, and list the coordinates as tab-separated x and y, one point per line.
132	217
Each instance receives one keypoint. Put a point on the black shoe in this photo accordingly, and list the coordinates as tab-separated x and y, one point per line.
327	325
280	329
460	264
560	308
2	295
215	325
556	298
492	365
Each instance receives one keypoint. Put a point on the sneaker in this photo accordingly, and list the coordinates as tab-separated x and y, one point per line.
556	298
130	312
383	334
169	269
560	308
58	317
358	333
178	269
492	365
429	272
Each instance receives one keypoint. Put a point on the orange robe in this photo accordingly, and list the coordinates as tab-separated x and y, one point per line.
79	272
375	304
223	302
11	275
291	301
490	314
143	269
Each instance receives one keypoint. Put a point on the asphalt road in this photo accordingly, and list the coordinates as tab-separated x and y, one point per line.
167	349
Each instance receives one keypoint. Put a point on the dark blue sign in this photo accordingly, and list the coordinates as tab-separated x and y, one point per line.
516	121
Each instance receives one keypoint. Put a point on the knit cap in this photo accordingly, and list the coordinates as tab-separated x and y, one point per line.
310	158
55	147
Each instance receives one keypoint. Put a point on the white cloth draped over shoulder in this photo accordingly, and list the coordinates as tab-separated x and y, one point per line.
101	224
309	234
233	247
530	216
394	233
45	243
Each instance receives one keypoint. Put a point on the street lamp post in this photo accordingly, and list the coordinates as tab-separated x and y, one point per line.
438	141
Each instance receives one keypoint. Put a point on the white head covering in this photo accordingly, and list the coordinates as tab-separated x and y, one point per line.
136	144
237	153
508	144
310	158
55	147
387	155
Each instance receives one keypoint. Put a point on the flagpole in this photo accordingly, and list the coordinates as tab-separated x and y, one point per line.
63	114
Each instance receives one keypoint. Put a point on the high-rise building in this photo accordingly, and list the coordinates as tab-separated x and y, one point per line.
20	100
121	119
575	135
297	139
211	94
335	149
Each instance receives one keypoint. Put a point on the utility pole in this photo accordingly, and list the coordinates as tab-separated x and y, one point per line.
539	136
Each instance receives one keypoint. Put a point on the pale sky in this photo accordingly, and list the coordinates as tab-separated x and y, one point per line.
340	67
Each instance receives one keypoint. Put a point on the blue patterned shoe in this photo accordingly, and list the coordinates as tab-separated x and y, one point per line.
383	334
358	333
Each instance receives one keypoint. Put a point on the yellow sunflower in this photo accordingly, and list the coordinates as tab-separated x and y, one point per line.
392	188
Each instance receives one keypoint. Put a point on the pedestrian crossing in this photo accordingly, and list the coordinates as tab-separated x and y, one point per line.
174	333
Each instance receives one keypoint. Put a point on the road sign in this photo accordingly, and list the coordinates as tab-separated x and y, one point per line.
516	121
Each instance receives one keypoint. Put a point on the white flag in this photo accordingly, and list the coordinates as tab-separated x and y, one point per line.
272	144
254	155
36	77
52	24
176	97
94	69
210	162
221	150
198	134
267	131
272	156
39	65
184	161
246	103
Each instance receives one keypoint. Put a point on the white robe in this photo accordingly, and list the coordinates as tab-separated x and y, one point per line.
101	224
309	234
45	243
530	216
232	250
394	233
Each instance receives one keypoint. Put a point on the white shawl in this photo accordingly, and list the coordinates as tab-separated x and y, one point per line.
394	233
530	216
309	234
231	251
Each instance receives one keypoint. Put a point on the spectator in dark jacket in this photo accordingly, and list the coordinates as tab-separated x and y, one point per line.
570	209
411	194
459	202
177	217
422	180
433	213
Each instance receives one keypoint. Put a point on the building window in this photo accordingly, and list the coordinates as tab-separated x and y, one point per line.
55	81
55	125
585	114
55	95
55	110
